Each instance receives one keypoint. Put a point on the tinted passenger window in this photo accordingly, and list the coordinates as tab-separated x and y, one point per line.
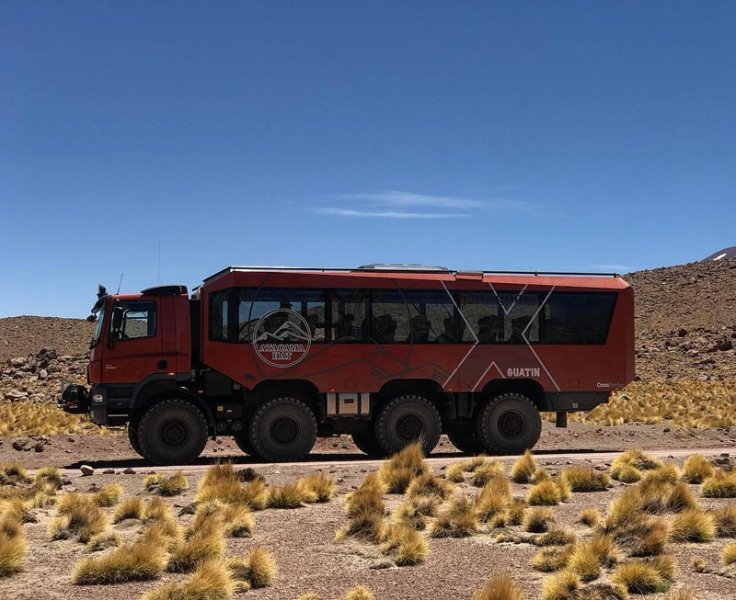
218	315
506	318
271	307
133	320
349	316
577	318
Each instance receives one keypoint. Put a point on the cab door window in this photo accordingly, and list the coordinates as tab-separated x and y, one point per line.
133	320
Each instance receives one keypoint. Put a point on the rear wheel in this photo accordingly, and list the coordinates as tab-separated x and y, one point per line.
466	440
508	424
368	444
283	429
172	431
243	442
406	419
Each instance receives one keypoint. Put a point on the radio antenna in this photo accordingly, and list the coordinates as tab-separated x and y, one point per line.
120	283
158	264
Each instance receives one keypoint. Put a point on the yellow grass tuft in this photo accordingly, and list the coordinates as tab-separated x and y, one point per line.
667	473
458	519
13	546
602	591
546	493
455	472
624	510
359	592
78	515
493	499
500	587
720	485
540	475
729	554
50	475
584	565
237	519
414	512
562	585
725	519
428	484
398	471
138	561
132	508
585	479
103	541
515	511
108	495
321	486
693	526
486	472
408	545
170	486
211	581
538	519
639	577
257	570
554	537
523	469
590	517
222	482
696	469
290	495
203	542
627	467
36	418
552	559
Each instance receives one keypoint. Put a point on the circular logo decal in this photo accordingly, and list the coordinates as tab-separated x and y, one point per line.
282	338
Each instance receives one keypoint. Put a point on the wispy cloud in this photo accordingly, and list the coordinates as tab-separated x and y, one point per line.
393	204
387	214
612	267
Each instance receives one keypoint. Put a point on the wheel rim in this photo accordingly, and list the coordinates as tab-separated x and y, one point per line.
512	424
410	427
173	433
285	430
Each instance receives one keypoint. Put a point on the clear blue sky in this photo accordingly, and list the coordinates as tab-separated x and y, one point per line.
509	135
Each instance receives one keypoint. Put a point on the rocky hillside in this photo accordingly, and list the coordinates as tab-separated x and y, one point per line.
686	328
686	321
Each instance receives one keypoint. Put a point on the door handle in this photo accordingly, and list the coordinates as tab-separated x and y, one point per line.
162	364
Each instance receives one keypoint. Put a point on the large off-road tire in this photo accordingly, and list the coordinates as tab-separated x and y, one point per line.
508	424
283	429
368	444
404	420
133	439
466	440
172	431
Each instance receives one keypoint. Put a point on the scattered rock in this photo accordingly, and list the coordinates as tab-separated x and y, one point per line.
86	470
109	472
129	471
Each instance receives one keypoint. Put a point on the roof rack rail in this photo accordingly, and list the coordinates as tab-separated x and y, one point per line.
400	267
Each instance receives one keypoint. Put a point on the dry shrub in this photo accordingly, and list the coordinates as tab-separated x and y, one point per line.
562	585
667	473
18	510
554	537
590	517
366	510
455	472
237	519
51	476
290	495
729	554
645	537
564	489
151	480
500	587
103	541
698	564
540	475
320	486
414	512
585	566
171	486
591	555
624	510
552	559
13	546
725	519
626	473
108	495
493	498
696	469
627	467
359	592
693	526
257	570
720	485
639	577
211	581
681	498
546	493
585	479
408	545
36	418
602	591
222	482
78	514
132	508
665	565
458	519
471	464
515	511
13	474
428	484
202	543
398	471
523	468
156	510
486	472
141	560
538	519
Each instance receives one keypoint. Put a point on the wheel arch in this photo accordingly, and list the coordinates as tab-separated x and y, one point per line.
428	388
528	387
302	388
163	390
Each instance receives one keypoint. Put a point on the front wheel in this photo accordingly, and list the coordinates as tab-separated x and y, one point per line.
133	439
283	429
172	431
406	419
508	424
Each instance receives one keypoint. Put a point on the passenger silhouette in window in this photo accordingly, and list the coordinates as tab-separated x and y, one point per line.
449	335
489	329
420	328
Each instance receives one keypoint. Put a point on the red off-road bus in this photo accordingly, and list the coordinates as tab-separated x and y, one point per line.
275	357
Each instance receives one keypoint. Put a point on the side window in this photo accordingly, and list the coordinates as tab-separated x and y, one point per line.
349	317
133	320
518	324
432	318
391	317
577	318
506	318
218	316
272	307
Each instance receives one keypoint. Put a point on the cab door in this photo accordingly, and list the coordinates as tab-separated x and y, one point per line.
134	341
